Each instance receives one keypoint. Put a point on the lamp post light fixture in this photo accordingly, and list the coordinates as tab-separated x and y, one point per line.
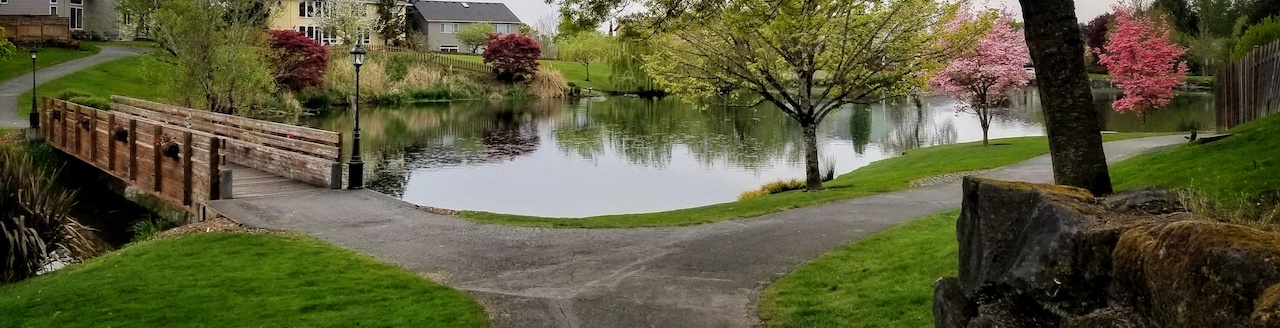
33	117
356	165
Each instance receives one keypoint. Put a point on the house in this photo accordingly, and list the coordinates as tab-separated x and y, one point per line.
97	19
300	15
439	21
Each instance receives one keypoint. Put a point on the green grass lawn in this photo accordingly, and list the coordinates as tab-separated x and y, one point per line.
882	176
1235	169
20	62
573	72
139	77
885	280
1196	79
235	280
858	285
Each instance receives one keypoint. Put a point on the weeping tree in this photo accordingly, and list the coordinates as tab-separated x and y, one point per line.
220	50
810	58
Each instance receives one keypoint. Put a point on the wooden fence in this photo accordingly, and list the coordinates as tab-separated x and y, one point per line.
300	153
178	165
1249	88
31	28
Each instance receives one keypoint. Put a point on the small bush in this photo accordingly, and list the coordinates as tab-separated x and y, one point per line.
420	77
146	228
94	102
299	61
71	93
783	186
512	57
398	67
548	84
312	98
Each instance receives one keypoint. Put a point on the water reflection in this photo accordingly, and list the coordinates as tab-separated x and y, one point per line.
623	155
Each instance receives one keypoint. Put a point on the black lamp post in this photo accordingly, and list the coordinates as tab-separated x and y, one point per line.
356	165
33	117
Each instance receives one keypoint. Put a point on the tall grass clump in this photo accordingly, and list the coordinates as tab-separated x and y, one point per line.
548	84
828	168
67	94
146	228
34	218
420	77
1261	210
775	187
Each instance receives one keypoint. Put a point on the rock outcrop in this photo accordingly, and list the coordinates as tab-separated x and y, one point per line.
1051	256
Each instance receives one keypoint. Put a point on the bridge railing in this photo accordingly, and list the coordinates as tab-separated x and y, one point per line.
300	153
176	164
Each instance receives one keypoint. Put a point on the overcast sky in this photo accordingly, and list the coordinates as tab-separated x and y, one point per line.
530	11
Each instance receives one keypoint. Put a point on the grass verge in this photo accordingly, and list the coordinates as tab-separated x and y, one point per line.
883	176
235	280
862	285
138	77
20	62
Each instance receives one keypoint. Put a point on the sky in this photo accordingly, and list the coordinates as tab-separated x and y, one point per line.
530	11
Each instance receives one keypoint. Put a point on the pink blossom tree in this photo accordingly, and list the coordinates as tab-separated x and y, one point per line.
1142	62
984	78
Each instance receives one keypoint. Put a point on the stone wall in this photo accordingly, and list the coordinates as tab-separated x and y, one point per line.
1052	256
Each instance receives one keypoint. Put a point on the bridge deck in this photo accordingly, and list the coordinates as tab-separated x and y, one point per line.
248	182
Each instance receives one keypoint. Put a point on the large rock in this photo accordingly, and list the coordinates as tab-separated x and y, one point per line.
1051	256
950	308
1199	273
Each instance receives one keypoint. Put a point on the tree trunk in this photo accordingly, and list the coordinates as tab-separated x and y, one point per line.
1075	139
588	71
812	178
986	126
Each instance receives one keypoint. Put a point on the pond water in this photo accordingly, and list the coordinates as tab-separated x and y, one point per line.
622	155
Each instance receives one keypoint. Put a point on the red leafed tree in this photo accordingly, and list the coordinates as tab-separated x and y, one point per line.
512	57
984	78
1142	62
299	61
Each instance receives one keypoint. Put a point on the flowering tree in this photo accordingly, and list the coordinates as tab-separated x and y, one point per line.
347	20
1142	62
984	78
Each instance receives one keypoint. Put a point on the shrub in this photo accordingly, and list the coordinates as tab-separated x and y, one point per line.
749	194
783	186
548	84
420	77
71	93
512	57
299	61
34	218
146	228
1264	32
94	102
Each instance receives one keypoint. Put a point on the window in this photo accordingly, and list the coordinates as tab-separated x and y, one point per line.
307	8
124	19
77	18
53	10
364	38
502	28
77	2
53	2
448	48
448	27
4	2
317	33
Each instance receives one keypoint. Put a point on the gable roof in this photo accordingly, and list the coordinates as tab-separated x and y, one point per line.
471	12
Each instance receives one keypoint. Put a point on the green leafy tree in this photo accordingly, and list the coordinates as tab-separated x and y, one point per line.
586	48
527	30
475	35
6	48
391	21
1266	31
809	58
220	51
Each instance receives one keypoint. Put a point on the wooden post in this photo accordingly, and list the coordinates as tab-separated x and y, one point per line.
111	143
215	178
156	157
186	168
76	127
226	179
93	136
133	151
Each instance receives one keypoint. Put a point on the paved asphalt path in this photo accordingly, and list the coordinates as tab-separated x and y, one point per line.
11	89
702	276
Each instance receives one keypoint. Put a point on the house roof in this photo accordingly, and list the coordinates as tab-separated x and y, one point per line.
465	11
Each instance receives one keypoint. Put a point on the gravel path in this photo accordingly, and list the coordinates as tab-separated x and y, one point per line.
11	89
708	275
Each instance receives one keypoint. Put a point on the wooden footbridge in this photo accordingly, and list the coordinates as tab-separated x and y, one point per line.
188	157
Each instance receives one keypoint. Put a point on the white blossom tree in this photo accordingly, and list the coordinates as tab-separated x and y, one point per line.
346	20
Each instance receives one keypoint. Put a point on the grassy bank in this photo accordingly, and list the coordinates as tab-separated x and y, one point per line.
573	72
20	62
882	176
137	77
234	280
861	285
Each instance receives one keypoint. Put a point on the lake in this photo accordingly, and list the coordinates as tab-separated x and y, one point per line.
617	155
